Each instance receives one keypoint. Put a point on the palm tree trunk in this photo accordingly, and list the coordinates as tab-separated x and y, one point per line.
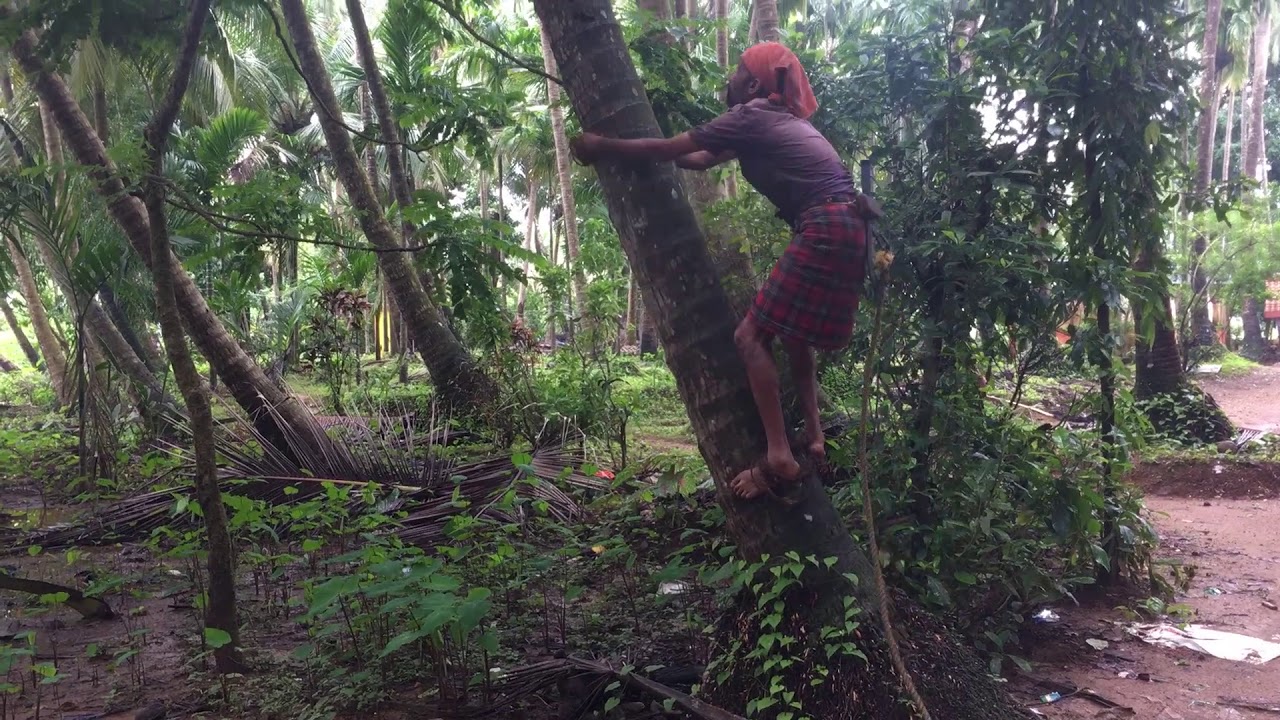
1258	91
1202	333
1229	128
220	611
55	360
565	175
661	237
530	244
52	147
766	20
1255	347
32	356
267	404
457	377
722	56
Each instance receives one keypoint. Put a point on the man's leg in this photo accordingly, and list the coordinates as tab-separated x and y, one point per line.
804	371
762	373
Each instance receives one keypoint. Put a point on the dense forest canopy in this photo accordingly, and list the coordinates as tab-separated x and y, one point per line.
310	300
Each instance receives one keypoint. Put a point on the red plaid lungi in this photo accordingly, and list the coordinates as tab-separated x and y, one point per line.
812	294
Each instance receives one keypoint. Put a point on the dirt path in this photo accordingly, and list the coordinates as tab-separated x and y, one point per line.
1223	519
1251	401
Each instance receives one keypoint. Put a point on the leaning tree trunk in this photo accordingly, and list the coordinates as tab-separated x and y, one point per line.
1201	326
1258	93
55	360
19	334
664	245
270	407
220	610
565	176
458	379
1255	347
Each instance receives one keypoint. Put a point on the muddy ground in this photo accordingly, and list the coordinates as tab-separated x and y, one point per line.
1221	517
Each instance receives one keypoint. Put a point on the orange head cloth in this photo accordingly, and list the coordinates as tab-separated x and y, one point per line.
764	61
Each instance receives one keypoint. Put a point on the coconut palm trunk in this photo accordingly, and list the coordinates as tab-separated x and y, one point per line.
766	21
661	237
55	359
458	378
266	403
1253	154
1229	128
1201	326
564	174
220	611
1254	346
19	334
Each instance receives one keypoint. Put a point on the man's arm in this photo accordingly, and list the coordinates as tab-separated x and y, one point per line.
704	160
589	148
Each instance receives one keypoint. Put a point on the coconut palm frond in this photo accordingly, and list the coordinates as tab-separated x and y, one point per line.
385	453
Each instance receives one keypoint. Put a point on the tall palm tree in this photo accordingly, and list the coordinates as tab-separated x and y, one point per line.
1201	326
457	377
564	175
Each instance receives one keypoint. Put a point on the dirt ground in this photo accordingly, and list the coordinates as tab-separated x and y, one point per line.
1223	519
1252	401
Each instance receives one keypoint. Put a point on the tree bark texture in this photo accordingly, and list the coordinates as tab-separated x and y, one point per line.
220	610
458	379
1201	326
266	403
1255	346
19	334
767	21
663	243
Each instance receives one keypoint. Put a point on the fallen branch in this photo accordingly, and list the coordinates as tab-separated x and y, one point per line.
89	607
1265	706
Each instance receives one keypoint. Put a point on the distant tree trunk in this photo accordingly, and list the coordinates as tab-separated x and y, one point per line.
530	244
220	610
52	147
1227	139
457	377
564	172
1201	325
766	19
1158	370
121	321
1255	347
32	356
261	398
55	360
629	322
660	234
722	57
1258	90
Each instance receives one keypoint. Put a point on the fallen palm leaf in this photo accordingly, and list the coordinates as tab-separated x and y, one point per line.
398	462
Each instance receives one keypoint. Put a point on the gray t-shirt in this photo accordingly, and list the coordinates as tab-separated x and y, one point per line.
782	156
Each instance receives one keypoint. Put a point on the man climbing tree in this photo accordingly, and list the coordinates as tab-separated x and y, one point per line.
811	297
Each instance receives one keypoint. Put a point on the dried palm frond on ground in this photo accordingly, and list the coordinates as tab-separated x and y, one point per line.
583	685
398	463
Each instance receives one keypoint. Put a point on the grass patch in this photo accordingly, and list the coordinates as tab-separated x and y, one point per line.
1234	365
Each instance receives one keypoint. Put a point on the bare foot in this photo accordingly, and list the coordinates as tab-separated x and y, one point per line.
755	480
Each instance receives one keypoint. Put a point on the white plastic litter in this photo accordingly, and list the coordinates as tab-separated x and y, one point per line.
1225	645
